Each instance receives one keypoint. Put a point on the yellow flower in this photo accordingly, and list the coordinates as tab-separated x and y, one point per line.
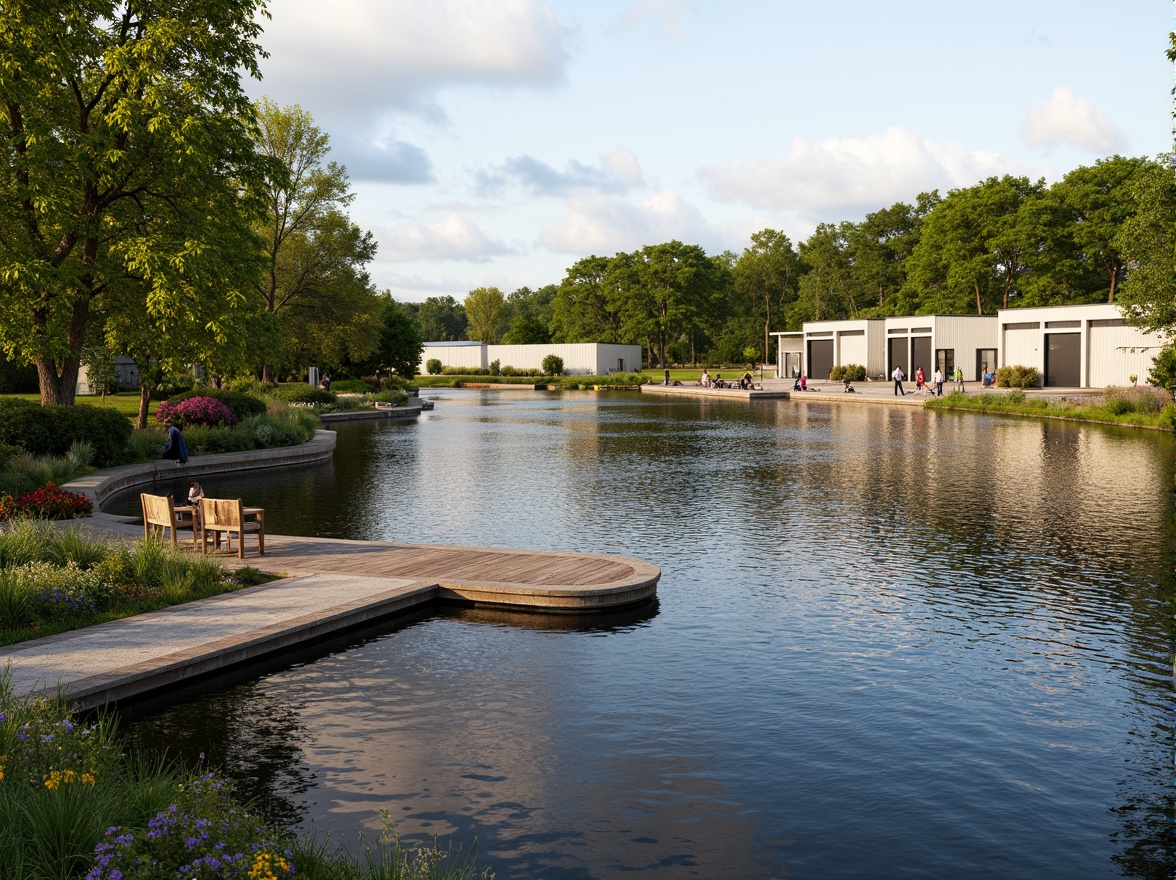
87	778
264	865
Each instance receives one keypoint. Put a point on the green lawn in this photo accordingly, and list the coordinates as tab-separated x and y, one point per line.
126	403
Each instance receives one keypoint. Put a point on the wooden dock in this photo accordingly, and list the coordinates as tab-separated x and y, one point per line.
333	586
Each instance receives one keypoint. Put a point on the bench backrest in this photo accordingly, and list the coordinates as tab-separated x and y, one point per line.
220	513
158	510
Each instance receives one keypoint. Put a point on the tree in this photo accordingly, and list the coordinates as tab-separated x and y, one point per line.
529	316
663	292
1148	295
442	319
118	118
1101	198
101	368
584	308
314	280
485	309
400	346
825	291
766	276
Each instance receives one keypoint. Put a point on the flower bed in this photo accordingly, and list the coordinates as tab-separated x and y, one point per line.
48	502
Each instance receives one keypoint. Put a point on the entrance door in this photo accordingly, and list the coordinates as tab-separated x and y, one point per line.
985	361
921	353
896	349
1063	360
791	365
820	359
945	361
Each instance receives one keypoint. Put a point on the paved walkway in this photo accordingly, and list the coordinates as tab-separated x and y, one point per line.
335	585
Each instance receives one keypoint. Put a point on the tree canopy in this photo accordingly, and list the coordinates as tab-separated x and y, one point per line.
129	145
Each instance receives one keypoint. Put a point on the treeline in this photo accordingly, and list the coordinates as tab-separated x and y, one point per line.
1101	234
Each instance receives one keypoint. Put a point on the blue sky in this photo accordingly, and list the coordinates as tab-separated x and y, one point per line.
496	142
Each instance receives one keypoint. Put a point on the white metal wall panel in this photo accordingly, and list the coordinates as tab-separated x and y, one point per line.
454	356
854	350
1115	354
1022	348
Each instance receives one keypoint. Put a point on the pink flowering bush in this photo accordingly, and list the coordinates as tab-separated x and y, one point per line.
206	411
48	502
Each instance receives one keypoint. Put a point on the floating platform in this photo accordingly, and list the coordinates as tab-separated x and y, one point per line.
334	586
732	393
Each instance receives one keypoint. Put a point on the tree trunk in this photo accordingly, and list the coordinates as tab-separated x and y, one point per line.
267	374
1111	298
979	301
57	389
144	401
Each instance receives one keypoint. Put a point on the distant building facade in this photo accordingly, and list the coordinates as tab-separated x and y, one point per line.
580	358
1086	346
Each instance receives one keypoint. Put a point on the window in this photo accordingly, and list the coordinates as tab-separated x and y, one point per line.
945	361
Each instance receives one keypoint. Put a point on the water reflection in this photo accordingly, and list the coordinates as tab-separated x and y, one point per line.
933	642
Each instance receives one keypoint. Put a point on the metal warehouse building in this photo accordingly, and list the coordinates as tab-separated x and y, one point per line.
580	358
1087	346
1077	346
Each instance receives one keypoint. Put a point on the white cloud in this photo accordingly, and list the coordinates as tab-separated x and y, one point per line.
667	11
454	238
852	174
373	55
617	172
1068	119
603	224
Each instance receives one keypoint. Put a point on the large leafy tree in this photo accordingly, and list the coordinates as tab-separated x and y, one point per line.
584	308
399	347
127	143
1100	199
442	319
314	281
485	309
530	316
664	292
766	278
1148	295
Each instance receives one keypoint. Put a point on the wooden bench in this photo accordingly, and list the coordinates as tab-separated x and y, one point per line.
228	516
160	512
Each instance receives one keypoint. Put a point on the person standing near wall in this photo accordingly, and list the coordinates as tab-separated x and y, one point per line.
937	378
959	379
898	376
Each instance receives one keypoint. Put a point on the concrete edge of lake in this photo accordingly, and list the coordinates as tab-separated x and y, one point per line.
100	485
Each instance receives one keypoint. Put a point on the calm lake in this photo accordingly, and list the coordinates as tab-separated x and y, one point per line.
887	643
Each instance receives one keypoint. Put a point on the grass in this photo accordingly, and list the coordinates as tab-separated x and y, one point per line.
54	580
125	402
1134	407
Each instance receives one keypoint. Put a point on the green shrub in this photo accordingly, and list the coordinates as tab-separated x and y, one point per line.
241	405
853	372
307	394
351	386
836	374
464	371
393	383
495	367
253	387
1017	377
1015	396
393	396
50	430
433	366
553	365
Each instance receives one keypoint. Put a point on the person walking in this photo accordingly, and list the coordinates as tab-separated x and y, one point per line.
898	376
937	378
920	379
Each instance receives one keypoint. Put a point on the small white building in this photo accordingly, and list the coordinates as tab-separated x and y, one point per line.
1087	346
580	358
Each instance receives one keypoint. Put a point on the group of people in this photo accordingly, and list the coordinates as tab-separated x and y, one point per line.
745	383
922	386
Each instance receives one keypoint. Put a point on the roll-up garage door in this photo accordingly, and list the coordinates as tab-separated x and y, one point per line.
1063	360
897	351
820	358
921	354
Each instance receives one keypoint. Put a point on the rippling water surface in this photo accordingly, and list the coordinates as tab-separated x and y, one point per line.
887	643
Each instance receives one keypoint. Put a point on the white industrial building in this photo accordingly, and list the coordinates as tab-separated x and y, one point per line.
881	344
1077	346
1086	346
580	358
